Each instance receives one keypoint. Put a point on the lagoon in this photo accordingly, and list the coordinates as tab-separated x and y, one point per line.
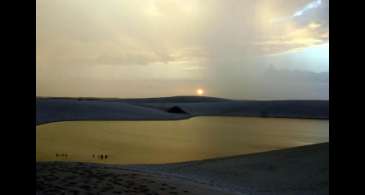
155	142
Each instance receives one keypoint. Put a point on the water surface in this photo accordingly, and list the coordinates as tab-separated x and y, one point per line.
139	142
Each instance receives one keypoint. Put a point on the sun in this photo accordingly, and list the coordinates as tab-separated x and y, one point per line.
199	91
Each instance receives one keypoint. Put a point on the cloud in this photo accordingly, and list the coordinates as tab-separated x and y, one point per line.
67	32
314	25
295	39
307	26
217	43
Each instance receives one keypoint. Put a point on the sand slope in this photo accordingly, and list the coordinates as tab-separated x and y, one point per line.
79	178
303	170
52	110
300	170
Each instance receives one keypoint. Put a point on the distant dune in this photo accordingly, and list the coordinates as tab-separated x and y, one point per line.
65	109
301	171
172	99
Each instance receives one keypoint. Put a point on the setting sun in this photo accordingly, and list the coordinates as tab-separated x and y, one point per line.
199	91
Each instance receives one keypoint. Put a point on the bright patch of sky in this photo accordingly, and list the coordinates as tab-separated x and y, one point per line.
314	59
309	6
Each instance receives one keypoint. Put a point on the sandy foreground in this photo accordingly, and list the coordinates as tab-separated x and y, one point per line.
300	170
80	178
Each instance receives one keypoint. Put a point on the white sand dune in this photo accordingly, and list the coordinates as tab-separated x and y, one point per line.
64	109
52	110
300	170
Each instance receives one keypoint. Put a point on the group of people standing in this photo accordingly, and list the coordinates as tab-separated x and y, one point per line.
101	156
62	155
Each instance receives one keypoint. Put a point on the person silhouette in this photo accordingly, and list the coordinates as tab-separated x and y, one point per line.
102	157
93	155
105	156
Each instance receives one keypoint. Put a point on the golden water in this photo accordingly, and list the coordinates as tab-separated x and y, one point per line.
140	142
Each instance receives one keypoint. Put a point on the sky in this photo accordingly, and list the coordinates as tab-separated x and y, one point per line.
240	49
